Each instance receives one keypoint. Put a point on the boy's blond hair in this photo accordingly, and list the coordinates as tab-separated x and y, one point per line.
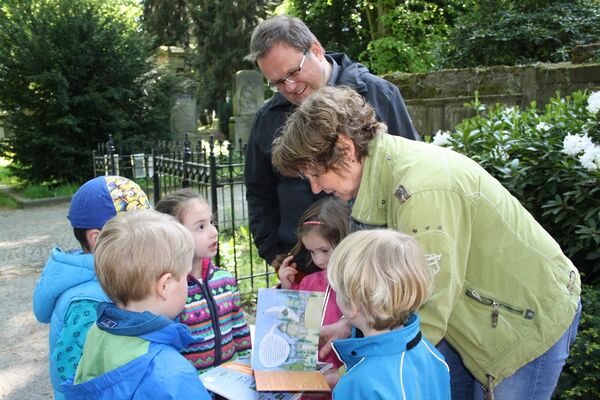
383	273
135	249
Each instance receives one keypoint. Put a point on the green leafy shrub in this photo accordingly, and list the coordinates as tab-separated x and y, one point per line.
525	151
510	32
580	379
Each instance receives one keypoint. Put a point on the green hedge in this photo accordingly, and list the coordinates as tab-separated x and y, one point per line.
580	378
511	32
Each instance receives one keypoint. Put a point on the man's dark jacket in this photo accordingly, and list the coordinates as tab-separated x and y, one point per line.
276	203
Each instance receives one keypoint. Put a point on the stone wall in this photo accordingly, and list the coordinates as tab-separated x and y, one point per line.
435	100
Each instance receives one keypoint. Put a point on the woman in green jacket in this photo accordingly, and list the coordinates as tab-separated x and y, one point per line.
505	307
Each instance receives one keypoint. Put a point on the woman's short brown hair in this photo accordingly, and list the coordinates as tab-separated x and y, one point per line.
309	141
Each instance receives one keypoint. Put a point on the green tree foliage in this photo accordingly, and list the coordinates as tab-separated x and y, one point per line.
510	32
222	31
168	21
406	35
386	35
71	72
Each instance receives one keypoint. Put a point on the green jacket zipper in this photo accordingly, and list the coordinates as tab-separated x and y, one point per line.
496	306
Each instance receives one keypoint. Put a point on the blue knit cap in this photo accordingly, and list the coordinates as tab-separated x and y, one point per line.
103	197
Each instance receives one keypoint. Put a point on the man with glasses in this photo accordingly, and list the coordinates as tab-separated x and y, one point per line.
296	65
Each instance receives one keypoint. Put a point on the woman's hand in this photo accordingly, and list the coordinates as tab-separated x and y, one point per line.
287	272
338	330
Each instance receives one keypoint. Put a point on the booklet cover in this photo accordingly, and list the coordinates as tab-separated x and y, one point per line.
286	341
234	380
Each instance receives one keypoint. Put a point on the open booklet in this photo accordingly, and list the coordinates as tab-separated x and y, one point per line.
234	380
286	340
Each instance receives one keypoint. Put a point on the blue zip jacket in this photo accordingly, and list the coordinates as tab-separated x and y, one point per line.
67	277
132	355
400	364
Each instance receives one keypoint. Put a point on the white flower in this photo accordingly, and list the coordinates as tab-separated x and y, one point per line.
441	138
575	144
590	159
594	103
499	152
543	127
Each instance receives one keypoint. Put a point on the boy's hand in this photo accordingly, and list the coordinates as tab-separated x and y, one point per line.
287	272
338	330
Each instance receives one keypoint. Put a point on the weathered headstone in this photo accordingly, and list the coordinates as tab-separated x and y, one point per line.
184	114
248	96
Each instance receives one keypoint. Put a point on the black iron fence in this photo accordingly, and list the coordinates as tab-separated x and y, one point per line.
215	168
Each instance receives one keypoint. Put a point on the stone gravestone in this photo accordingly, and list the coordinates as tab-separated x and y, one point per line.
248	96
184	113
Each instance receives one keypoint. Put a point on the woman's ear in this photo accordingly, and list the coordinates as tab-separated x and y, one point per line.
162	285
346	146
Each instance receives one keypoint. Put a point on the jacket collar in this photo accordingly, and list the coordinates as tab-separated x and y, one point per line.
353	350
374	193
149	326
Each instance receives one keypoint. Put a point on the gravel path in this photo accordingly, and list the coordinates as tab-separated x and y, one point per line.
26	238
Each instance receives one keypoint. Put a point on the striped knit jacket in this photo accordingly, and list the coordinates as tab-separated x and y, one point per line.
215	318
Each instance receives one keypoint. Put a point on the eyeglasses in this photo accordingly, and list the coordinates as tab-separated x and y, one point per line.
274	86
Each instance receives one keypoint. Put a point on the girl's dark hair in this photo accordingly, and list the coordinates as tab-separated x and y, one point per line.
177	202
328	217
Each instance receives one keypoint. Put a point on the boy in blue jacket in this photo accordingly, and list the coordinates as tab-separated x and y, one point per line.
67	293
381	279
142	261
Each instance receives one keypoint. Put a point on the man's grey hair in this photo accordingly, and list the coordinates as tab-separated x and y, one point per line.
280	29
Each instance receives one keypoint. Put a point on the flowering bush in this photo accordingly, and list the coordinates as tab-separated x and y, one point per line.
550	161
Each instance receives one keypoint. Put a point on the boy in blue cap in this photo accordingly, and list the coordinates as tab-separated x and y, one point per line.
67	293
